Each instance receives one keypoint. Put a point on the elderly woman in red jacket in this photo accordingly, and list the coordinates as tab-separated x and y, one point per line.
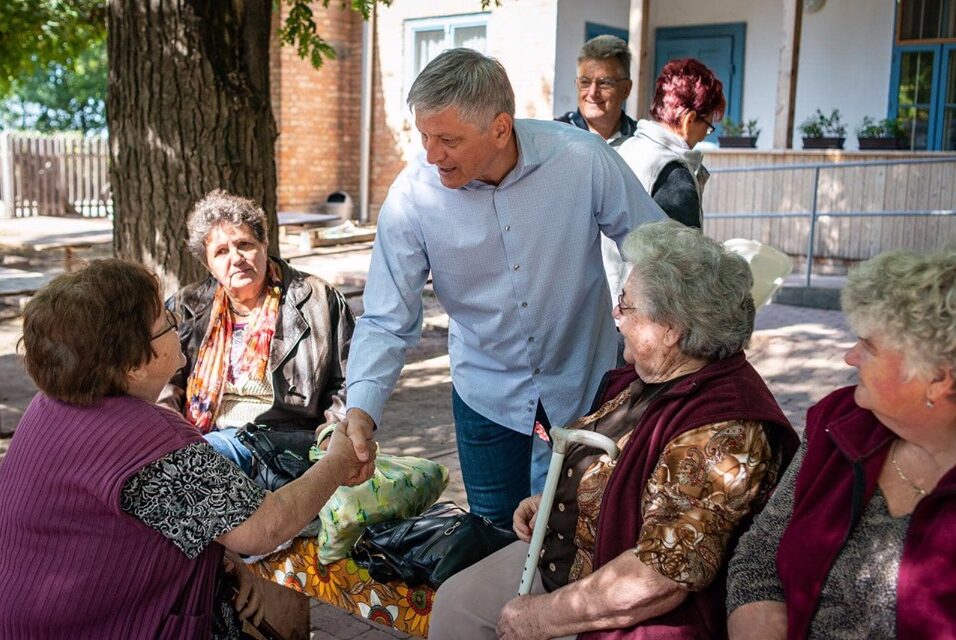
638	548
860	537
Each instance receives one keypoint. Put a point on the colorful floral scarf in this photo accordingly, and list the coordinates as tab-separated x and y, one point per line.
208	377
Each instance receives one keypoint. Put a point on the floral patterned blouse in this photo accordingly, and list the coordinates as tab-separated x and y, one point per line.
192	496
702	486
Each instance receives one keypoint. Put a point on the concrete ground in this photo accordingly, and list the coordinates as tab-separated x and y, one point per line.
799	352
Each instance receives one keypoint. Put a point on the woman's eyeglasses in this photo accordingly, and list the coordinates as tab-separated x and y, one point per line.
711	127
624	307
172	324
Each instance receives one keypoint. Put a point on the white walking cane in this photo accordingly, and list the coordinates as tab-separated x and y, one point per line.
560	439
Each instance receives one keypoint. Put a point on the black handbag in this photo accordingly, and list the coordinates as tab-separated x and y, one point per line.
279	456
430	548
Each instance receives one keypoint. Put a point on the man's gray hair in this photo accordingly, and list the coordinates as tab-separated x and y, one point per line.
909	299
474	83
220	207
691	283
607	47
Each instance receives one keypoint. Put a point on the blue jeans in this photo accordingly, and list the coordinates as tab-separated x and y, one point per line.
226	444
500	467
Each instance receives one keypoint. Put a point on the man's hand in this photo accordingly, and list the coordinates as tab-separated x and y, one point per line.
360	428
525	516
525	618
342	450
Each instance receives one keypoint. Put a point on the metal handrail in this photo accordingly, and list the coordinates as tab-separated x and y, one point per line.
816	167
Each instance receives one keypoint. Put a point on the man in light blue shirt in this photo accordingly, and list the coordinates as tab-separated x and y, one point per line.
507	218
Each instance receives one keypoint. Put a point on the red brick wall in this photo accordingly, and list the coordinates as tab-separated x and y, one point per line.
317	113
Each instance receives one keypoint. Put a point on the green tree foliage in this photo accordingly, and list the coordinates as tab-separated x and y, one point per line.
35	33
67	96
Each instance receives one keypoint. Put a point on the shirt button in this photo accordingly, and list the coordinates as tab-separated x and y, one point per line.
560	536
570	472
561	507
524	304
507	227
537	370
530	338
531	403
516	267
541	555
551	567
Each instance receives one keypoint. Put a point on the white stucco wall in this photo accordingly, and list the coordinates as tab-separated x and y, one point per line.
845	55
572	16
519	34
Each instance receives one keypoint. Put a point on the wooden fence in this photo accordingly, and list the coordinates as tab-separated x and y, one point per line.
55	175
866	189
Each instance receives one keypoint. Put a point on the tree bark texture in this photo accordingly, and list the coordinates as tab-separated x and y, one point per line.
188	112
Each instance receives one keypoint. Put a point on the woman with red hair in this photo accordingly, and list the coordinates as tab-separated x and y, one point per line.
688	101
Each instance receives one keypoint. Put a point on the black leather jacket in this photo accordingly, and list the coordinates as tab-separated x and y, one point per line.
307	356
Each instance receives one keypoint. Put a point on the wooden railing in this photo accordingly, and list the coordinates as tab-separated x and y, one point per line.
833	206
55	175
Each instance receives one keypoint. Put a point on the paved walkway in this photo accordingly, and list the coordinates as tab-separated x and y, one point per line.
798	351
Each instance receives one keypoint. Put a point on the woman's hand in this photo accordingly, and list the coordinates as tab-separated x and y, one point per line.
341	449
525	618
525	516
248	598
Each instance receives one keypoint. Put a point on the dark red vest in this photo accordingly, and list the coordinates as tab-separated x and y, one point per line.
728	389
846	449
74	564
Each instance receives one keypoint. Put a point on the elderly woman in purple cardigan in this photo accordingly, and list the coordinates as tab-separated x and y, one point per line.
114	512
859	541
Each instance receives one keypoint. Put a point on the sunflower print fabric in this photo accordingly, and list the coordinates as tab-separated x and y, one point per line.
347	586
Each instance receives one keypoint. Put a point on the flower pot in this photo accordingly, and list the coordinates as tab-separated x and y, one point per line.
823	143
879	144
737	142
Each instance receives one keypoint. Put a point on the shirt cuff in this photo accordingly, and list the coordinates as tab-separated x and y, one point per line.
368	397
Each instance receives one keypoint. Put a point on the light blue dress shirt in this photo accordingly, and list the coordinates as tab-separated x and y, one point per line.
517	268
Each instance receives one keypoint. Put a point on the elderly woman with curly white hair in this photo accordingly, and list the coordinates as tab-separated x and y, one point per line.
638	548
859	541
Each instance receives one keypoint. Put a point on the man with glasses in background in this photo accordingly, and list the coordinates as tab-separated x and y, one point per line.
603	83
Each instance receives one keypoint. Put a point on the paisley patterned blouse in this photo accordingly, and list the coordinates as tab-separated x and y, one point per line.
702	486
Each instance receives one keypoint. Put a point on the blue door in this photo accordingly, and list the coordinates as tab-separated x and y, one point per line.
720	47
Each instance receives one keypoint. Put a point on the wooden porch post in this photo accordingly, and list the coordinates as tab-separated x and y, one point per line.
639	102
7	203
787	73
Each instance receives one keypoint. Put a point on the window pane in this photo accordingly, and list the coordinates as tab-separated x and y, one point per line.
922	19
949	129
471	37
428	44
916	78
916	127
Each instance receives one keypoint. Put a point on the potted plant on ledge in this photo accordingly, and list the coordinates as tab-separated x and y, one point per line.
821	131
738	134
882	135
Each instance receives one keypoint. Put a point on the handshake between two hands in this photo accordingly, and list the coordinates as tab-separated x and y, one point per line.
353	443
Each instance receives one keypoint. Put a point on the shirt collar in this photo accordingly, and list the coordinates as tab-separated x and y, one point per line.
529	157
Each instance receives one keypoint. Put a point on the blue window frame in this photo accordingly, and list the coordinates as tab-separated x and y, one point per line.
923	74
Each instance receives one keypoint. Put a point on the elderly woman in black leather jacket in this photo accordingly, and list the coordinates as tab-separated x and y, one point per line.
264	343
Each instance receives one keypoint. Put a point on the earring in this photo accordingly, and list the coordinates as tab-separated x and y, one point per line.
930	403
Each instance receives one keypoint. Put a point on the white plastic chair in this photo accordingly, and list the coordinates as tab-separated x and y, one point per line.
769	267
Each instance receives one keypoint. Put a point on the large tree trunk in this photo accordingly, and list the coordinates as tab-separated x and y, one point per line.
188	112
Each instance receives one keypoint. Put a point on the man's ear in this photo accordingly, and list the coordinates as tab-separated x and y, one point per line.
501	128
627	88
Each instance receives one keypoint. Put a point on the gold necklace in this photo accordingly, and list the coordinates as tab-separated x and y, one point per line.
917	490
